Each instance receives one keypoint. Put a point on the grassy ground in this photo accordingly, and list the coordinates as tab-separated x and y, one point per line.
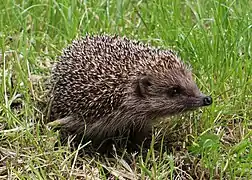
214	36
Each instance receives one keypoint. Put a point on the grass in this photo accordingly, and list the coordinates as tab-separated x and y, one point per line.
214	36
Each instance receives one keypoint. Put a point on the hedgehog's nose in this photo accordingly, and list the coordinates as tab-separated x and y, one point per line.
207	100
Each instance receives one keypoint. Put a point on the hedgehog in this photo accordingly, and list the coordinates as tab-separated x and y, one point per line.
107	86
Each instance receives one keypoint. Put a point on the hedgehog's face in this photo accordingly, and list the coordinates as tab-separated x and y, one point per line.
170	93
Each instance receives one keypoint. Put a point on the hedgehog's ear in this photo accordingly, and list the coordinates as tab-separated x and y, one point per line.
143	84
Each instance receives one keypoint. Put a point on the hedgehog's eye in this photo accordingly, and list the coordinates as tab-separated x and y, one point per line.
174	91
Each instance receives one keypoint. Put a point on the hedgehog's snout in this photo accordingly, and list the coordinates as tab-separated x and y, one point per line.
207	100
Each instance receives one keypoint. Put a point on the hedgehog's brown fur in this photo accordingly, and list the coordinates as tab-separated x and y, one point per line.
108	86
